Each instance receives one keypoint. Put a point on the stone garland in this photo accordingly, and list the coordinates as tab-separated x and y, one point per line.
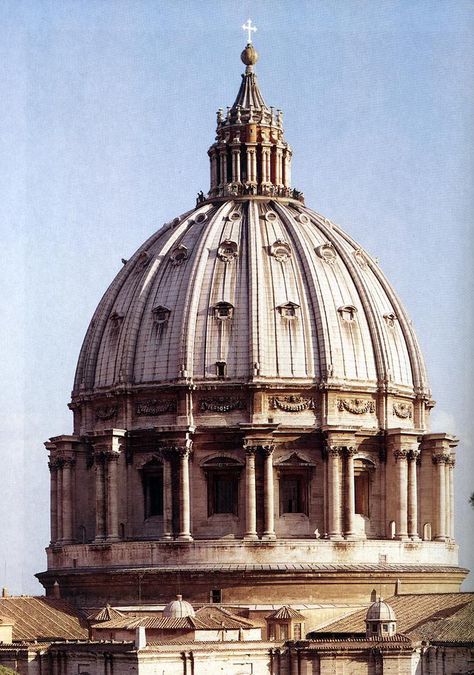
403	410
292	404
106	412
356	406
153	406
220	404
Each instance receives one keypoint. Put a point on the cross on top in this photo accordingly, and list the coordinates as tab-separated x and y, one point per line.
250	29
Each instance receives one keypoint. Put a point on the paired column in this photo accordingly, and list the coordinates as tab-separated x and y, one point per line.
251	164
236	164
250	493
440	461
99	497
112	489
450	468
184	494
334	492
66	500
268	493
401	510
412	458
53	469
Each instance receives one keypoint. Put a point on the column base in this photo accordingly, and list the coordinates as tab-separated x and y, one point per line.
112	539
440	538
166	537
351	536
335	537
402	537
253	536
414	537
268	536
184	537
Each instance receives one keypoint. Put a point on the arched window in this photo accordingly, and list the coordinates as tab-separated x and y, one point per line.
223	475
153	488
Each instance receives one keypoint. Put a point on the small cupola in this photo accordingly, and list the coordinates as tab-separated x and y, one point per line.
250	155
284	624
380	620
178	609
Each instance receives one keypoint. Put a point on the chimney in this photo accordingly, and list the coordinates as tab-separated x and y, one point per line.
140	637
56	590
4	592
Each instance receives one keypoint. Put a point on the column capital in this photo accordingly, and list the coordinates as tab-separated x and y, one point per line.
441	458
350	451
400	453
267	450
250	450
335	450
414	453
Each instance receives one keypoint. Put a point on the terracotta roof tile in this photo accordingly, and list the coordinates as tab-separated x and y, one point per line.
431	616
286	612
43	619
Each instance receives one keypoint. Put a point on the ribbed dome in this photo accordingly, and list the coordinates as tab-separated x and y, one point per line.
178	609
380	611
268	287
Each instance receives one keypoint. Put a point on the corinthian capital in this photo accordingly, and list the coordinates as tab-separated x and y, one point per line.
400	453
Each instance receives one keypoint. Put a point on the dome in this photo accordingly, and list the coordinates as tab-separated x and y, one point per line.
272	290
178	609
380	611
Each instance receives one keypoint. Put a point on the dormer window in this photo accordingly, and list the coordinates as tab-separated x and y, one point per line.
179	255
348	313
289	310
116	319
161	314
223	311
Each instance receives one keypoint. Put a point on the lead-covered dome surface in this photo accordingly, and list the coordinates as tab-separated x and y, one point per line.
267	288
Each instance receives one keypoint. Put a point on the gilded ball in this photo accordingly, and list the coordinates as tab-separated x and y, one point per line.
249	56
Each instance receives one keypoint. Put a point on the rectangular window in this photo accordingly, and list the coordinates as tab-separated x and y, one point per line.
153	494
293	494
297	631
284	631
216	595
361	489
223	494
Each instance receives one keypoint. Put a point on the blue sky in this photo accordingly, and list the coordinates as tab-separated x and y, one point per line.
108	111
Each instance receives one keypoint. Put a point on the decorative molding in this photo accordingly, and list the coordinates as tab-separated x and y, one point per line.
280	250
227	250
106	412
403	410
221	404
356	406
292	460
390	319
327	252
292	404
179	255
361	258
153	406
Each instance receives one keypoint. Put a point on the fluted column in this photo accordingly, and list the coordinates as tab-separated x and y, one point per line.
99	498
59	497
53	468
184	495
268	493
265	164
349	492
66	501
412	494
223	165
439	461
251	164
236	164
167	497
334	492
112	503
250	493
401	510
451	465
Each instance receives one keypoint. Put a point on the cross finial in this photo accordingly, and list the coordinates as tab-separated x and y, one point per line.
250	29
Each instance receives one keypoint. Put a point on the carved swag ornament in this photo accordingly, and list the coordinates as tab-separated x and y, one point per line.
356	406
403	410
220	404
153	406
292	403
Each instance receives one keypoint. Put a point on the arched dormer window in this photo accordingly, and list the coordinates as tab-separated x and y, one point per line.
223	475
223	311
